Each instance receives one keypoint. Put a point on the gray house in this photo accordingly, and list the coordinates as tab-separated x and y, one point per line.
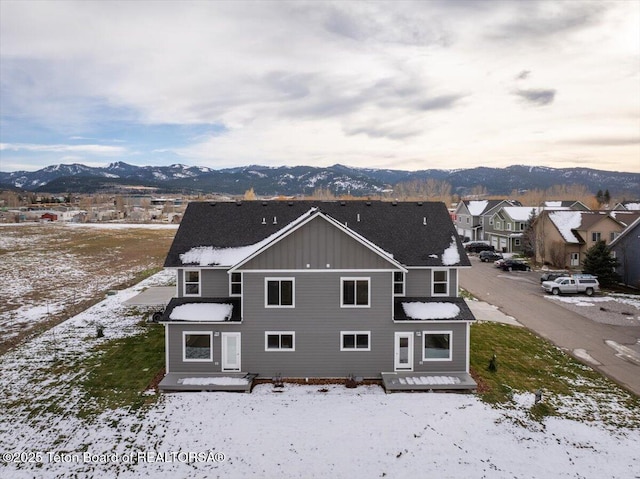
310	289
626	249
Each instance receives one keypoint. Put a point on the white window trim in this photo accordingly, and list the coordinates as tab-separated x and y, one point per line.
404	283
355	278
424	335
184	282
280	279
433	293
184	347
231	283
279	333
508	226
345	333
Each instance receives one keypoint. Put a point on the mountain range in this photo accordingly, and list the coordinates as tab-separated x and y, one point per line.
292	180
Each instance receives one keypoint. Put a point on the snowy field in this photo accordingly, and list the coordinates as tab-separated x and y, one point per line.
301	432
51	268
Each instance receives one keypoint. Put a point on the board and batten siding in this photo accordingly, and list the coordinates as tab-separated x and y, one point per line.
318	245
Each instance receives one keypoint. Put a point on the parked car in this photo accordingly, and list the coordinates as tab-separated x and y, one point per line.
486	256
514	264
553	275
578	283
478	246
499	262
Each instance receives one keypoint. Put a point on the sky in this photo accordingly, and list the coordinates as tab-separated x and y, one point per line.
398	85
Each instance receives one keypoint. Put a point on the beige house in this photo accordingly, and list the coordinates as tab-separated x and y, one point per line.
563	237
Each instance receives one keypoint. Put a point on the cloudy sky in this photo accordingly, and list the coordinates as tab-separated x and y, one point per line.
403	85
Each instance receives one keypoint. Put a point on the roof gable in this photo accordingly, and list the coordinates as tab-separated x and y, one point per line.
416	234
318	243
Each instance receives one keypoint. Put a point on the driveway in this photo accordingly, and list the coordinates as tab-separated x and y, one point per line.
602	338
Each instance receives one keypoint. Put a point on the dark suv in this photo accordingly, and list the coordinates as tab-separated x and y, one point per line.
478	246
486	256
553	275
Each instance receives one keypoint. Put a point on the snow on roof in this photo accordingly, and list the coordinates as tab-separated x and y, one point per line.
210	255
451	255
519	213
553	204
477	207
202	312
566	221
632	206
419	310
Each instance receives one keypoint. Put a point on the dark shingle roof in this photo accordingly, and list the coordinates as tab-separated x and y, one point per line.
397	227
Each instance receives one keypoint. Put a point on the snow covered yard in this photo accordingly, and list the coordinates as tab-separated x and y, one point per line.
303	431
52	269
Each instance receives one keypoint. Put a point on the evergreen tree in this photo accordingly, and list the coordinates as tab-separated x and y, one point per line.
529	236
599	262
607	196
599	197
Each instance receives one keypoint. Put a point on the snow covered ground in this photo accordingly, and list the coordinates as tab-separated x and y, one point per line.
300	432
52	268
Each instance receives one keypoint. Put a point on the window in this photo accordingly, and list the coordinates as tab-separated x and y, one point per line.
595	236
613	235
235	284
516	242
491	221
354	293
498	227
436	346
440	282
398	283
196	346
467	220
521	226
508	226
192	282
280	341
279	293
355	341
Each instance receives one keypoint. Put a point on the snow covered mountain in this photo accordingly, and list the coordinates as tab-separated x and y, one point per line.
289	180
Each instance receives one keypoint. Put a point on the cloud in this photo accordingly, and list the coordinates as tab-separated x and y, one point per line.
90	149
537	97
313	82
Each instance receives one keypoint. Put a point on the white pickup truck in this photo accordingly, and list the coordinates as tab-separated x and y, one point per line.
577	283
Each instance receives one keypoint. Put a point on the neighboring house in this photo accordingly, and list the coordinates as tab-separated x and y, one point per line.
573	205
471	215
626	249
563	237
311	289
505	227
628	205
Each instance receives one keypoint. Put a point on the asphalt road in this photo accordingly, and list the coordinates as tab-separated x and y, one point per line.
518	294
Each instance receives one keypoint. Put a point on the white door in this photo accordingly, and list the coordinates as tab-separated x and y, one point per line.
403	352
231	351
575	259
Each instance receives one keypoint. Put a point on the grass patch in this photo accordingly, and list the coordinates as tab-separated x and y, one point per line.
527	363
121	369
